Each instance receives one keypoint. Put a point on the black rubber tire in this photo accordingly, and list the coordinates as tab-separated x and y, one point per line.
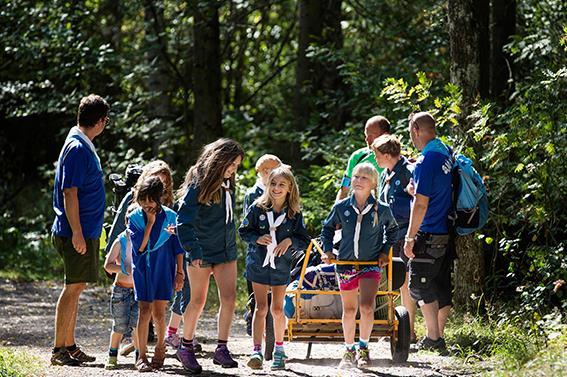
270	337
400	346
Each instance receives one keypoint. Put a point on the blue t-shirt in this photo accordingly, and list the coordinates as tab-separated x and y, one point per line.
78	166
432	177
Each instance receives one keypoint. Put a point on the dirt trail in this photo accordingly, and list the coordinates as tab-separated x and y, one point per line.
26	322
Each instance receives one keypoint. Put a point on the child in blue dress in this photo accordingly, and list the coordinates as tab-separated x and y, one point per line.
364	223
206	229
272	227
157	265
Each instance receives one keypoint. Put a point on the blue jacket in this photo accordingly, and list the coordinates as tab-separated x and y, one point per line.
202	230
374	239
397	198
254	225
251	195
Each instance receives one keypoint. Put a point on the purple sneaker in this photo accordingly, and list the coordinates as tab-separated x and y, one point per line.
187	358
222	357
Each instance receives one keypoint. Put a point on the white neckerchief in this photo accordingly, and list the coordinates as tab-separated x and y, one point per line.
359	216
270	256
228	201
384	197
76	131
261	185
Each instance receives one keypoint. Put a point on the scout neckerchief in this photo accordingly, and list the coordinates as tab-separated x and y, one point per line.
384	195
228	201
270	255
137	222
76	133
261	185
359	216
125	248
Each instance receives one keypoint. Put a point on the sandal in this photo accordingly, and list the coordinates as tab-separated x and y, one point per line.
142	365
159	357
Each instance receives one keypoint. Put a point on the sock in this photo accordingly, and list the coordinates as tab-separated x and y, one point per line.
363	343
257	348
72	348
56	349
171	330
349	346
112	351
221	343
187	344
279	347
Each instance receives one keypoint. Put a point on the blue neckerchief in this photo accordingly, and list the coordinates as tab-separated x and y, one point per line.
124	239
138	223
436	145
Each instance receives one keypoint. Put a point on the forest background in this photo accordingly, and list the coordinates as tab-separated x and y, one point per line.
299	78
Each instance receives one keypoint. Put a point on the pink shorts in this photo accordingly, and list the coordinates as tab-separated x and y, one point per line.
349	280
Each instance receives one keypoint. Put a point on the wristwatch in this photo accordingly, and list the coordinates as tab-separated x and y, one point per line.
409	239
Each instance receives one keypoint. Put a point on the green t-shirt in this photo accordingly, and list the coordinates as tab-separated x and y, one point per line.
362	155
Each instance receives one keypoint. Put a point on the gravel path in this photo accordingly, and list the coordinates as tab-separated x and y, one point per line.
26	322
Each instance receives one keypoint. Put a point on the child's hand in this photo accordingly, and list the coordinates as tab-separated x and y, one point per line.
196	263
327	257
178	285
264	240
282	247
151	215
170	229
382	260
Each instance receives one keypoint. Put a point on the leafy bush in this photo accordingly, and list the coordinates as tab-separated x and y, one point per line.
18	364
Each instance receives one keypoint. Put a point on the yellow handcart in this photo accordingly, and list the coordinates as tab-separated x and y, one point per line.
395	325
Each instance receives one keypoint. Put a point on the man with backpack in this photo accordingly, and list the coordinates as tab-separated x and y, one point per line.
374	128
427	241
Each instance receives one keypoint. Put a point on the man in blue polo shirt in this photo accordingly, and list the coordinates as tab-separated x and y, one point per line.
79	202
427	238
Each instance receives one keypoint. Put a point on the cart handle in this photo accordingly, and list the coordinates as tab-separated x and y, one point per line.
344	262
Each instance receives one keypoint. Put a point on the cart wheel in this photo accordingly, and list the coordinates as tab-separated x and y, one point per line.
400	344
270	337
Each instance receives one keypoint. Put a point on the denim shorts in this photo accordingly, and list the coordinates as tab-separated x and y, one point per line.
123	309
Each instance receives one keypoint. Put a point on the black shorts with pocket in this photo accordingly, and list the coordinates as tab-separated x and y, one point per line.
430	270
78	268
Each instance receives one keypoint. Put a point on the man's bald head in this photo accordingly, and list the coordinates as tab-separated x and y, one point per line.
421	128
376	127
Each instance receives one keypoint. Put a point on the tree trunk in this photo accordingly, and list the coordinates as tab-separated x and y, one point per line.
207	89
464	34
320	27
158	80
503	26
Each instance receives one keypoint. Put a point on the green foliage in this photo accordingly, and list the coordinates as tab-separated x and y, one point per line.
18	364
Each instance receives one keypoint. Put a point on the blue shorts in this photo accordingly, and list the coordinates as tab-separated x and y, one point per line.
123	309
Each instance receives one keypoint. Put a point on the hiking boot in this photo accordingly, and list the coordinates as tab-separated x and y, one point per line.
127	349
111	363
363	358
348	359
188	360
62	358
279	360
197	346
172	341
222	357
256	360
428	344
82	357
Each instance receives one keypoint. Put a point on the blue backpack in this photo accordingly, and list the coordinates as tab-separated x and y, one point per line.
470	201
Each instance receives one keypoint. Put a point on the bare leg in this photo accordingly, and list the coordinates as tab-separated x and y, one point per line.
350	305
158	308
199	282
175	320
115	338
431	314
368	288
278	293
260	312
409	304
144	318
442	319
225	277
65	314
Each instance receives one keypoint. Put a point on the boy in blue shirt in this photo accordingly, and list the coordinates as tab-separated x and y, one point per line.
79	202
427	238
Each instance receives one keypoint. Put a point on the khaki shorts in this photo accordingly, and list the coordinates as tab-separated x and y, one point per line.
78	268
